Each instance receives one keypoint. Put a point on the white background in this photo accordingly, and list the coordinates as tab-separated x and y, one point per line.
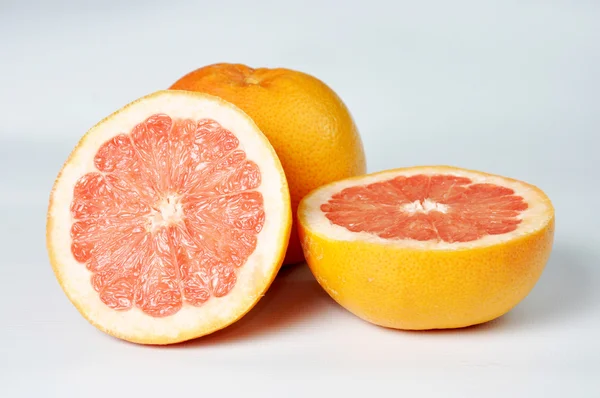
508	87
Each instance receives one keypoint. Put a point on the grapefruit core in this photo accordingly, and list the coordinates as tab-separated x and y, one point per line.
170	219
427	247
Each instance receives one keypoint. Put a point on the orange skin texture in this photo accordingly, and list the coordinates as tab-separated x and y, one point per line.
305	121
420	289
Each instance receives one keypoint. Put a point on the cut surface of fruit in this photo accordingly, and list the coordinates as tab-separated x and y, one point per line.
307	123
427	247
424	207
170	219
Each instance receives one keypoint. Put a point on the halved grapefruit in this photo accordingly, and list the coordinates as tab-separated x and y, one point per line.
427	247
170	219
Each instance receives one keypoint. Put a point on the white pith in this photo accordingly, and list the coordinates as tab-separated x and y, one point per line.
168	212
252	277
535	217
426	206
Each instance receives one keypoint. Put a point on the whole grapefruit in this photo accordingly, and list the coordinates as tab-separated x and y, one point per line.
307	123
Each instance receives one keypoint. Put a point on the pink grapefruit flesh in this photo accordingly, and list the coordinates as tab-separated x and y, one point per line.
427	207
169	215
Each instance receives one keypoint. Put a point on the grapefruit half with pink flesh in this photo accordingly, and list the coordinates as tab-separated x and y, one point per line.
170	219
427	247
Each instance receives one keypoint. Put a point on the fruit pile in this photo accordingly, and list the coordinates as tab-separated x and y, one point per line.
171	217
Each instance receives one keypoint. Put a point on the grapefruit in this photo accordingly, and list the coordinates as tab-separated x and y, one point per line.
307	123
170	218
427	247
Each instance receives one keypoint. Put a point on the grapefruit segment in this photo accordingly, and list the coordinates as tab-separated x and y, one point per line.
170	218
427	247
